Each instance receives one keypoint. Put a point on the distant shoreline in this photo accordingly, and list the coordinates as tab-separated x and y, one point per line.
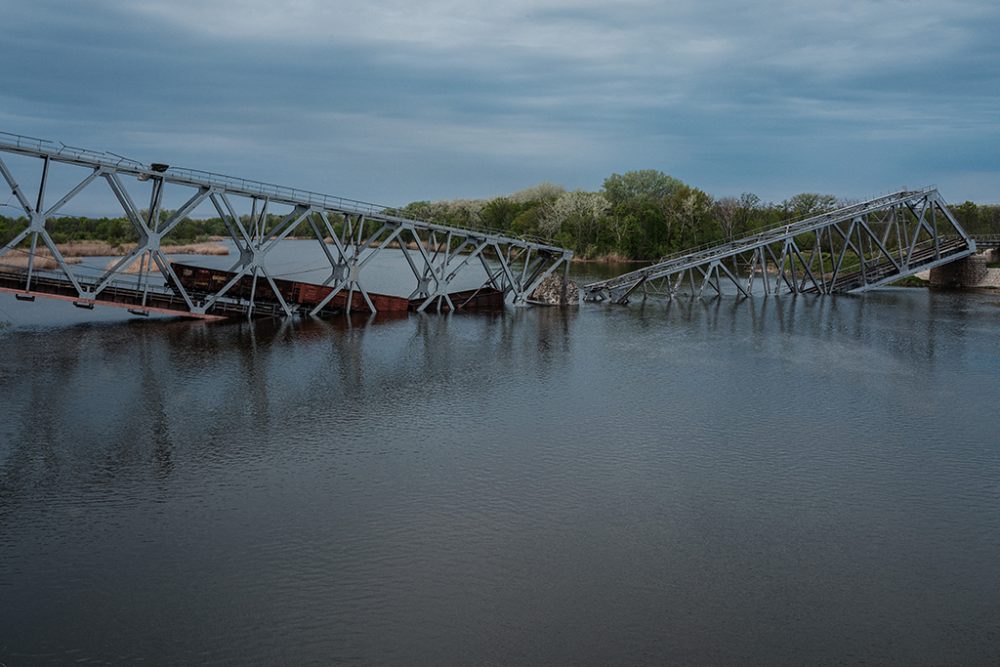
74	251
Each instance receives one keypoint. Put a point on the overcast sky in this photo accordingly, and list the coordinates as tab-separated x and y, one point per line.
393	101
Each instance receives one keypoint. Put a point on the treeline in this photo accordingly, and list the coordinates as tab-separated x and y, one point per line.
113	230
645	215
639	215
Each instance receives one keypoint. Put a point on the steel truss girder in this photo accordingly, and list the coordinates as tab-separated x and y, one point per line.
442	259
852	249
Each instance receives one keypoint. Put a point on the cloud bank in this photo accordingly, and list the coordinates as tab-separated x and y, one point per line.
396	101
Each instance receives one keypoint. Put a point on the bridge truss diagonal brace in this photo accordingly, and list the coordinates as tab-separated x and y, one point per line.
254	249
37	216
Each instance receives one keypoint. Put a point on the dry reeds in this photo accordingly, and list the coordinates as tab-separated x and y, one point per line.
207	248
88	249
105	249
43	262
217	249
141	262
190	249
72	252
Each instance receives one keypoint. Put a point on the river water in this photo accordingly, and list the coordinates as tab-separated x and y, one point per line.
810	480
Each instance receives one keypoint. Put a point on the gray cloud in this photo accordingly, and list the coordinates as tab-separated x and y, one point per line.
395	101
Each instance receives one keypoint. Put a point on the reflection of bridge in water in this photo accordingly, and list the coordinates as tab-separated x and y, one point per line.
852	249
451	266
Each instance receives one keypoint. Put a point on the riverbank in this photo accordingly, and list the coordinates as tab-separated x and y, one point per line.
74	251
43	262
609	258
105	249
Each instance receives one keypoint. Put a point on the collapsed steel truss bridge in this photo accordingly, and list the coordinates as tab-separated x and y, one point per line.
441	258
852	249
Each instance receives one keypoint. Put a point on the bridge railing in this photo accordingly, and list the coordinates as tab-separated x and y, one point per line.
198	177
46	147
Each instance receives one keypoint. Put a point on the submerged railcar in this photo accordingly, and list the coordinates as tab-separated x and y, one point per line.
485	298
202	280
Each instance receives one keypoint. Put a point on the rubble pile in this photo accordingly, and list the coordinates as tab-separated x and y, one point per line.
550	292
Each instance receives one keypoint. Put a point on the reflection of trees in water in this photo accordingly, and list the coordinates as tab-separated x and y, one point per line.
905	326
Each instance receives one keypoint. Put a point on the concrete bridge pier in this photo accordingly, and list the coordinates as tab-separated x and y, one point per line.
968	272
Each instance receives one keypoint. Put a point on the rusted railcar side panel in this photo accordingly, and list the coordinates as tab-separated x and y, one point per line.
202	280
210	281
475	299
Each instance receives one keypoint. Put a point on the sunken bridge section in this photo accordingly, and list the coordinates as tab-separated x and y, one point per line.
852	249
356	244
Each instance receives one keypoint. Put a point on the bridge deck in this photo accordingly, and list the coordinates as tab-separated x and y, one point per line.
153	299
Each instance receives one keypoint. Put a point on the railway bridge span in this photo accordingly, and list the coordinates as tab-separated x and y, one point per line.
451	267
852	249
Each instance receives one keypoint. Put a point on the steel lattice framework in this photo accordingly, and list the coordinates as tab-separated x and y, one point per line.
852	249
350	233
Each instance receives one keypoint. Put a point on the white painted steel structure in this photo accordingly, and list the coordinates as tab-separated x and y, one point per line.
351	234
852	249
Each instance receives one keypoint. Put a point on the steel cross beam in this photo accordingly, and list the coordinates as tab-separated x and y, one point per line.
441	258
852	249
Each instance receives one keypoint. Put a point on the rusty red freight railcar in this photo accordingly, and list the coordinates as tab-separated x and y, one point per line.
485	298
199	279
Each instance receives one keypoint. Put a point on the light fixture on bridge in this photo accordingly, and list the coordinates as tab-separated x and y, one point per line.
158	167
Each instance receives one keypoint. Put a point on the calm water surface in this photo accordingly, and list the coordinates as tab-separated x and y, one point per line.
769	481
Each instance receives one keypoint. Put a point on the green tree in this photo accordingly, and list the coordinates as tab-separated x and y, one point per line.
967	214
689	218
808	204
640	201
576	218
499	214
